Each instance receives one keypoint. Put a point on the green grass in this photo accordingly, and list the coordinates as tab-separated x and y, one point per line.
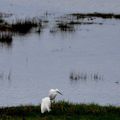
61	111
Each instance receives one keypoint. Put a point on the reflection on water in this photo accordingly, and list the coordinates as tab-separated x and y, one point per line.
6	76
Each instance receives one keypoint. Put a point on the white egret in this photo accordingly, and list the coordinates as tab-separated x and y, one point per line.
46	102
53	93
45	105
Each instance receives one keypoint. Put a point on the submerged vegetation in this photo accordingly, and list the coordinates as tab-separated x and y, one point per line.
95	14
20	26
24	26
65	27
62	111
85	76
6	38
66	24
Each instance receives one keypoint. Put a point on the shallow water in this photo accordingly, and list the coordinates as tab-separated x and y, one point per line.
38	7
34	63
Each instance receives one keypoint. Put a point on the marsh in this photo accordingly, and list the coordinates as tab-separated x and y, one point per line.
35	62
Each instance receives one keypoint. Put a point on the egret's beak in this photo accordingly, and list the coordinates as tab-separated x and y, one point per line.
60	93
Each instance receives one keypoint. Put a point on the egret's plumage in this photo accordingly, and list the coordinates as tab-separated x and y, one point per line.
46	102
45	105
53	93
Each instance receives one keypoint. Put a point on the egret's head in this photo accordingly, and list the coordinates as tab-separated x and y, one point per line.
58	91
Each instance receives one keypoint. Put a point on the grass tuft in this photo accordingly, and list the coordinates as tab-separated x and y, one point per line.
96	14
24	26
6	38
62	110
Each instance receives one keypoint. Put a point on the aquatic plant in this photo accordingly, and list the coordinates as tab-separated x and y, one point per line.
85	76
23	26
5	27
64	26
96	14
84	23
6	38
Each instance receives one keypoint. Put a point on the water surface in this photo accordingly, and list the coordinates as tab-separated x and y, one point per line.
34	63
